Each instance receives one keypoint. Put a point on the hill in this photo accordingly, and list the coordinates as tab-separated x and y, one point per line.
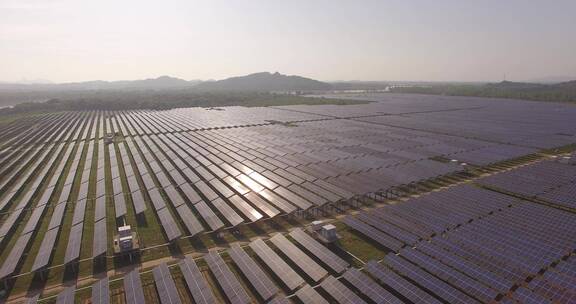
163	82
511	85
265	82
558	92
552	79
359	85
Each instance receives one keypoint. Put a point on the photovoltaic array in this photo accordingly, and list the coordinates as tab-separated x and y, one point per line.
69	179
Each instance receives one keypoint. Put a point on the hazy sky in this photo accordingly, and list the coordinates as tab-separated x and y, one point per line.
76	40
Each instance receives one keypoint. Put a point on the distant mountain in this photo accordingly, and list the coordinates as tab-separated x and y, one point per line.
163	82
265	81
511	85
553	79
558	92
531	87
566	85
359	85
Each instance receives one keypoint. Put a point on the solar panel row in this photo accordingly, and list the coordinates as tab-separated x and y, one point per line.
324	255
283	271
370	288
165	285
308	295
15	256
340	292
197	285
101	292
298	257
551	180
133	292
67	295
226	279
305	161
253	273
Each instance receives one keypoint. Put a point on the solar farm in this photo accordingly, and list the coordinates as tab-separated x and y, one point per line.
433	199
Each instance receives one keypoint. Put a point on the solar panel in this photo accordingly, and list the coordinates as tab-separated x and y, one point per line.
147	179
138	201
57	215
190	220
284	272
117	185
524	295
100	242
236	185
455	277
334	189
206	191
369	288
307	295
15	255
229	214
339	291
114	172
74	242
83	191
298	257
100	208
286	175
293	198
101	292
334	262
178	178
165	285
261	179
300	174
452	259
262	204
399	284
174	196
119	205
230	170
241	167
133	292
279	300
132	182
373	233
9	224
250	183
190	193
191	175
226	279
205	174
221	188
309	196
245	208
66	296
260	282
169	225
208	215
156	199
428	281
389	229
331	197
277	201
45	251
34	219
197	285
